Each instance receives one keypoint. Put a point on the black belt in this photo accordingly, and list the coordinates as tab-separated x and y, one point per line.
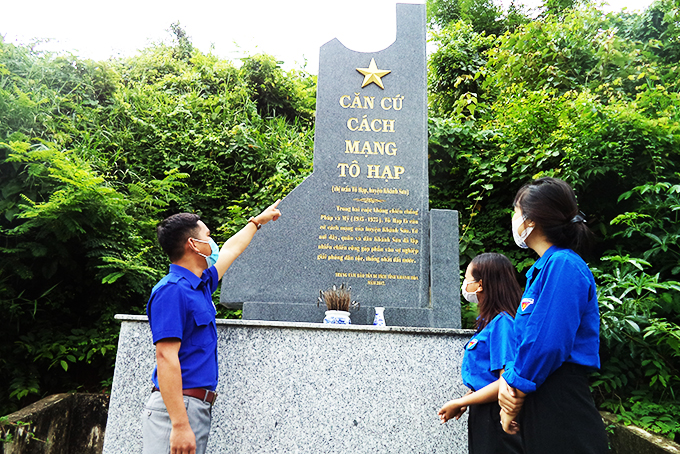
199	393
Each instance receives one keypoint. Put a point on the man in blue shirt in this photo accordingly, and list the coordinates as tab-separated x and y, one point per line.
182	319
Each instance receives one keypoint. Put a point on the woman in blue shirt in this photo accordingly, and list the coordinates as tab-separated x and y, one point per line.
544	393
489	281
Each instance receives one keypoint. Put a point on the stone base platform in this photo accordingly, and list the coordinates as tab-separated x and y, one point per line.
309	388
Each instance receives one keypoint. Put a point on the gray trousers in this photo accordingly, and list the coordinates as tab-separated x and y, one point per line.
156	424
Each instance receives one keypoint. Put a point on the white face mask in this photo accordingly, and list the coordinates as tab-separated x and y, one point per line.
519	239
214	251
470	297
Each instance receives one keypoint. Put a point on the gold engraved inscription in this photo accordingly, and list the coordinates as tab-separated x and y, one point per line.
384	237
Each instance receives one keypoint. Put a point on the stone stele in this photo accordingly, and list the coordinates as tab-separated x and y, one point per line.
362	217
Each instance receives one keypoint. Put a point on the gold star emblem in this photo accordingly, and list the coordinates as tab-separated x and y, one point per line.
372	74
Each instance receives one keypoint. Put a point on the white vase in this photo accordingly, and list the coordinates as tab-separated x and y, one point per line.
379	319
337	318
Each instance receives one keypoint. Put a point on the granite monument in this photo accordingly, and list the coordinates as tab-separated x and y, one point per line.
308	388
362	217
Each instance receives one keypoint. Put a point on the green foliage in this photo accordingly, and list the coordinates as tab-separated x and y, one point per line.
654	225
559	8
641	340
75	252
592	99
584	49
440	13
6	435
213	122
597	135
542	55
642	345
455	69
276	93
92	156
184	48
484	16
468	177
653	417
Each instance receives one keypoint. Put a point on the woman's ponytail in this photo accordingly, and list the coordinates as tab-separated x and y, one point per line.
551	204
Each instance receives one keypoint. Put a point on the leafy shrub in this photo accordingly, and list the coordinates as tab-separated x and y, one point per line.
92	156
641	344
455	69
592	99
75	252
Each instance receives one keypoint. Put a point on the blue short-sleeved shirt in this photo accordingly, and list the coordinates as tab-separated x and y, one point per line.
181	307
489	351
558	320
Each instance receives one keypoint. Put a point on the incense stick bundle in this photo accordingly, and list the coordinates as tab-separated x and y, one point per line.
338	299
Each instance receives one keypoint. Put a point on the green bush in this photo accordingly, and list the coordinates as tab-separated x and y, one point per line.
592	99
75	252
92	156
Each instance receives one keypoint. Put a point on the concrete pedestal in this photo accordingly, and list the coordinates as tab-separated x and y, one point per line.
309	388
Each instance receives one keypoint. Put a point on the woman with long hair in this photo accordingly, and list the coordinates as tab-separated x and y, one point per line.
490	282
544	393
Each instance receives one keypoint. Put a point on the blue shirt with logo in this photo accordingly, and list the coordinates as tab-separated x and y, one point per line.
489	351
181	307
558	320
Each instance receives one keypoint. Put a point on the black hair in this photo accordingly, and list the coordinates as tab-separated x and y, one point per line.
501	289
551	204
174	231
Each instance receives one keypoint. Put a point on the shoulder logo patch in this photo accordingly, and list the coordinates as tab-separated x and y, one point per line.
472	344
526	302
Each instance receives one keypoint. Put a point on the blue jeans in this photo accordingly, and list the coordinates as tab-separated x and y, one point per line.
156	424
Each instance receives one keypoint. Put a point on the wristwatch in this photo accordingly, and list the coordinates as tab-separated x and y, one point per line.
257	224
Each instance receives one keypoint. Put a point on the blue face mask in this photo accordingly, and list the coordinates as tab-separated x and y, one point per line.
214	251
